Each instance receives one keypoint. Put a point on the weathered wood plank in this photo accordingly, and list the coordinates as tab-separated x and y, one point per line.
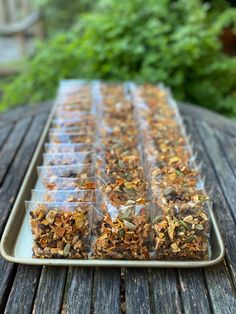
106	291
211	118
7	273
79	291
228	145
220	164
137	298
11	146
21	297
8	194
221	209
194	292
195	284
223	299
50	292
24	111
4	132
164	291
18	168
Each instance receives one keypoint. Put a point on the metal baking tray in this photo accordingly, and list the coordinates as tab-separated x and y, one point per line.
16	243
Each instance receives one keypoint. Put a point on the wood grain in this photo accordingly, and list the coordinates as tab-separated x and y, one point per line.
50	291
221	208
79	291
10	147
8	192
219	162
4	132
7	273
194	293
220	289
164	289
19	166
137	298
21	297
18	113
106	291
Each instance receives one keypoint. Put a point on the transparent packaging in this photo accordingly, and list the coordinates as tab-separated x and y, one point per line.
80	115
52	183
122	233
75	104
78	96
63	159
61	137
53	148
63	196
74	129
60	230
181	233
73	122
66	97
181	224
112	161
68	114
81	171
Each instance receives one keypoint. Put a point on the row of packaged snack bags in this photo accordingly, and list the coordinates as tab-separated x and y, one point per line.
107	202
126	229
63	201
175	185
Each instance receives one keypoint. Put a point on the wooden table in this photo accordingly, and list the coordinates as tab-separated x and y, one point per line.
96	290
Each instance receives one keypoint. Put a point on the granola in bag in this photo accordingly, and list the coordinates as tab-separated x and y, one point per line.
60	230
74	129
64	196
52	183
67	159
181	234
54	148
81	171
62	137
125	236
78	122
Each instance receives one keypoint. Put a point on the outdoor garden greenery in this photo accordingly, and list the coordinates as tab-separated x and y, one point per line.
176	42
59	15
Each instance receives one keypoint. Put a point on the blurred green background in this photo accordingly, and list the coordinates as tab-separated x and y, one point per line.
188	45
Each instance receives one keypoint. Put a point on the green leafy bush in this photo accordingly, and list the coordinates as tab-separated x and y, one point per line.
147	41
59	15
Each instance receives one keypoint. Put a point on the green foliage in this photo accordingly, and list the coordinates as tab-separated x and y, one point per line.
59	15
147	41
